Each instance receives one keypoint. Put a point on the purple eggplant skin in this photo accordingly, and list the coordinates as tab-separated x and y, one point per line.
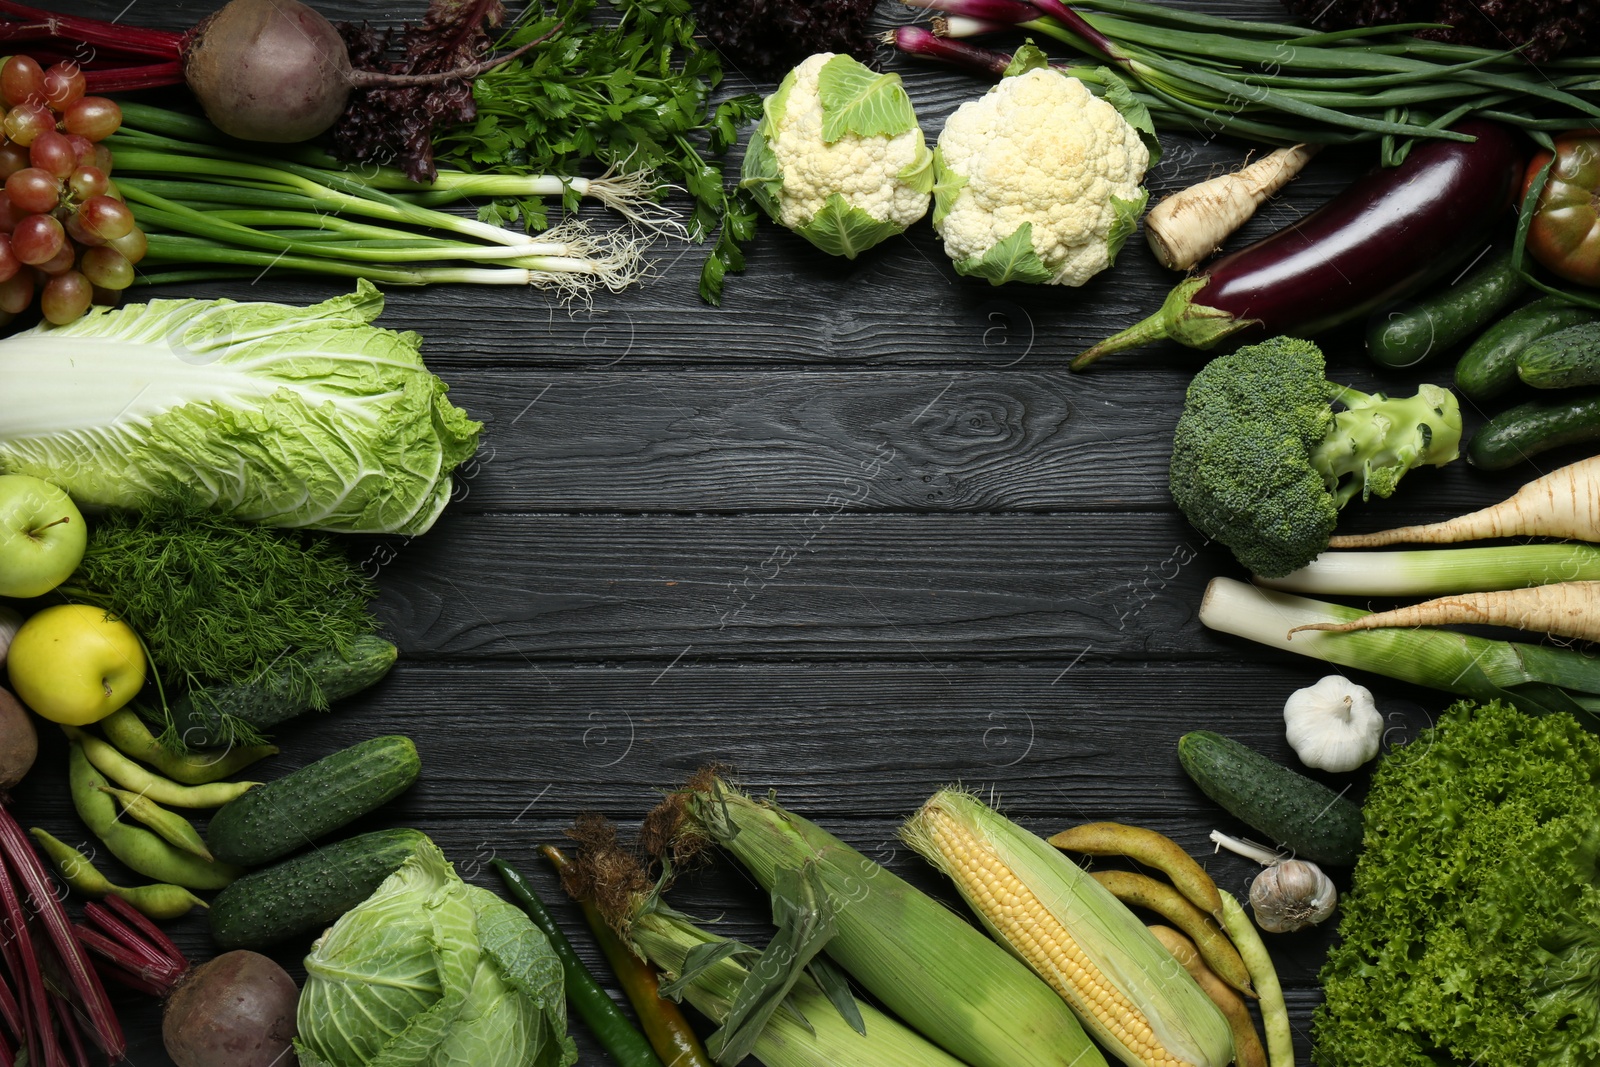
1382	239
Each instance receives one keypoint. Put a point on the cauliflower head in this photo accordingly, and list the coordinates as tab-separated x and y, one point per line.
838	157
1038	180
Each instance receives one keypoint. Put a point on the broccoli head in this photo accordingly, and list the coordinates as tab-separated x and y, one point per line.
1268	450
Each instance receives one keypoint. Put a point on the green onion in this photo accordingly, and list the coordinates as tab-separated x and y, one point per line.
210	207
1287	84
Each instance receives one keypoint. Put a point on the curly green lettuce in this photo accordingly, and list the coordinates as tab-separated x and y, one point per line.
1472	930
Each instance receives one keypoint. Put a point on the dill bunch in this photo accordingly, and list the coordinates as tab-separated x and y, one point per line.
219	602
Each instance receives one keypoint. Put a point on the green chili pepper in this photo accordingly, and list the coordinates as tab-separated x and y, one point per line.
663	1021
616	1034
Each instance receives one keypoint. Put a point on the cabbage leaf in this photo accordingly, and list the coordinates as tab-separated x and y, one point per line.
301	417
432	972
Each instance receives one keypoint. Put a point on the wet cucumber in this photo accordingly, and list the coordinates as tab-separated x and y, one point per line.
226	715
285	815
1414	333
1290	809
302	895
1566	359
1489	367
1538	426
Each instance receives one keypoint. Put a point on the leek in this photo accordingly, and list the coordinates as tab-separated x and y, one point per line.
1441	571
1537	678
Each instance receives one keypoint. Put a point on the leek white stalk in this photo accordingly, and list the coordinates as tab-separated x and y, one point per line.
1440	571
1534	677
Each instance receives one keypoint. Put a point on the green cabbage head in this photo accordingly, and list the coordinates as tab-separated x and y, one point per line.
432	972
286	416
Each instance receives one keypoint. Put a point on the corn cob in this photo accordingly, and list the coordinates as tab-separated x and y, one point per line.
916	956
1091	949
807	1032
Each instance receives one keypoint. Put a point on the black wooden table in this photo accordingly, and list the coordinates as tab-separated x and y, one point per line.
857	534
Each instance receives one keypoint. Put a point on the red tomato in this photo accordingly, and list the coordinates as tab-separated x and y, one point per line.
1565	235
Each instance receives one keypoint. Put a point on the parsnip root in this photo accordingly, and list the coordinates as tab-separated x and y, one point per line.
1563	609
1189	225
1564	503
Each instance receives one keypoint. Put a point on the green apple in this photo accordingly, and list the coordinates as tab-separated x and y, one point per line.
75	664
42	536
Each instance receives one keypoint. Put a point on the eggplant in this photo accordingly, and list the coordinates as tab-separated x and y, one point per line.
1382	239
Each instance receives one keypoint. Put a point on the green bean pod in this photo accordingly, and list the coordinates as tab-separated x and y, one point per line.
129	775
172	827
138	848
160	901
124	729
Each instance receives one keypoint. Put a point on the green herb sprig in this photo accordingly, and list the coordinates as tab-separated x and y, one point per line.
633	93
219	602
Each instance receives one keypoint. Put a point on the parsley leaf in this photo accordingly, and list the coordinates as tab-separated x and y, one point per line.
627	86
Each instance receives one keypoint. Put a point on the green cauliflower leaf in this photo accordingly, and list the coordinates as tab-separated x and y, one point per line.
860	101
1010	260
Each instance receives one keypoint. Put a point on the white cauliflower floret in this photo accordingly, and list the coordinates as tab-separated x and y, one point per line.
838	156
1039	149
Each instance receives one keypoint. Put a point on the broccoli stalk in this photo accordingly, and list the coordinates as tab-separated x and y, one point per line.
1262	460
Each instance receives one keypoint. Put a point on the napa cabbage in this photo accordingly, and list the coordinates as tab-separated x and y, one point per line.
288	416
432	972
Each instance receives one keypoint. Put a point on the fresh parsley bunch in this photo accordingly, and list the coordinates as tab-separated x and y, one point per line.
633	89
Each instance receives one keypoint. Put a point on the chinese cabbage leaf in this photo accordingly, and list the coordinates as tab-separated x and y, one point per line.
286	416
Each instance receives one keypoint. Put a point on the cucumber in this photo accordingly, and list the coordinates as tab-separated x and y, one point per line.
226	715
1489	366
1563	360
1537	426
273	820
1414	333
302	895
1290	809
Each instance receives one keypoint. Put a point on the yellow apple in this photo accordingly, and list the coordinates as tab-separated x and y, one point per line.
75	664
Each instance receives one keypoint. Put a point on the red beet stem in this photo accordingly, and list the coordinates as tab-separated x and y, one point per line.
116	974
123	947
10	1011
114	958
18	945
129	79
163	44
152	933
77	1055
101	1020
8	1056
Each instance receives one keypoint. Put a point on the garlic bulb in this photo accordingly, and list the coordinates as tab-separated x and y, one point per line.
1291	895
10	623
1333	725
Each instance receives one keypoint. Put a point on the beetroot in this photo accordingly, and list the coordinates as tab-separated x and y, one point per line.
19	743
263	70
269	70
238	1010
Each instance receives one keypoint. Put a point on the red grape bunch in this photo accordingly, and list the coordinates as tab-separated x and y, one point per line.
64	230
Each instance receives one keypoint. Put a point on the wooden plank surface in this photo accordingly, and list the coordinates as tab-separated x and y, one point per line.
857	534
